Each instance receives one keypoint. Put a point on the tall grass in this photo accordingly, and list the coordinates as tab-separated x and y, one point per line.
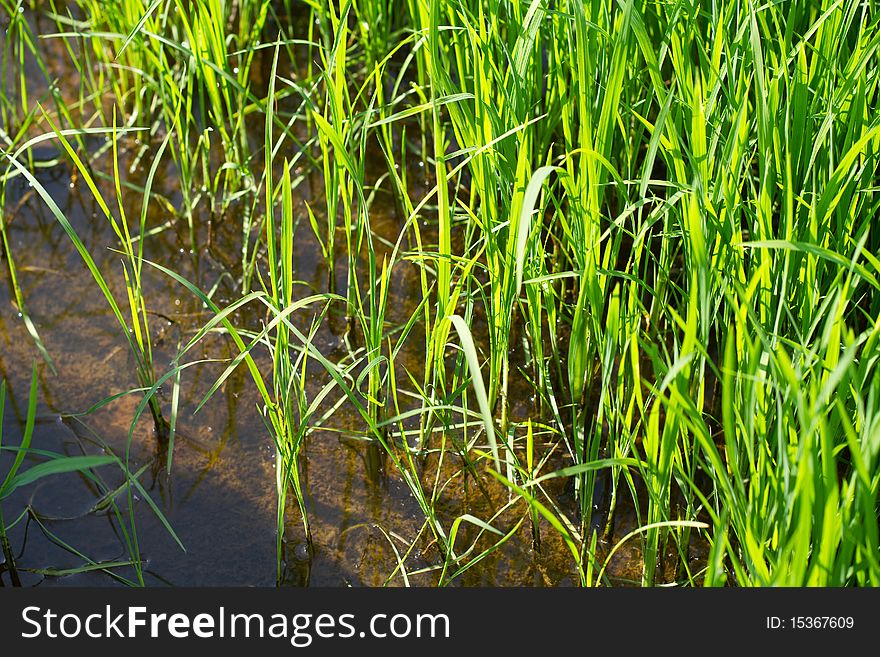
656	219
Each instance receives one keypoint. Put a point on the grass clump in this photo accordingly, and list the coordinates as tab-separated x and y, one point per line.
643	236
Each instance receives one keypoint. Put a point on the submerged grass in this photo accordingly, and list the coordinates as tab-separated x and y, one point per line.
644	231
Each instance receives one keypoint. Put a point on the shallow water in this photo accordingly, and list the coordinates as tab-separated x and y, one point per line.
220	495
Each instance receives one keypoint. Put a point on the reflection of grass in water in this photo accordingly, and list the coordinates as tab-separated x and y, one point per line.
657	221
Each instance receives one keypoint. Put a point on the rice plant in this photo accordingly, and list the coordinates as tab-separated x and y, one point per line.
608	271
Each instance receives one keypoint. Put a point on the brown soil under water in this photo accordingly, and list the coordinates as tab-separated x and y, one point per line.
220	495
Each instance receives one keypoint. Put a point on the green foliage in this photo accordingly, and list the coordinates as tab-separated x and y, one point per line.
657	218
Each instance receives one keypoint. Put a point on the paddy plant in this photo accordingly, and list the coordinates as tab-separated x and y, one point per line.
76	146
175	68
343	130
642	231
641	262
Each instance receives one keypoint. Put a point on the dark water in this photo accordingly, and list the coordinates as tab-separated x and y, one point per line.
220	495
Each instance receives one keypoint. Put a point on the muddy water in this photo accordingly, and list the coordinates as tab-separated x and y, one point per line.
220	496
